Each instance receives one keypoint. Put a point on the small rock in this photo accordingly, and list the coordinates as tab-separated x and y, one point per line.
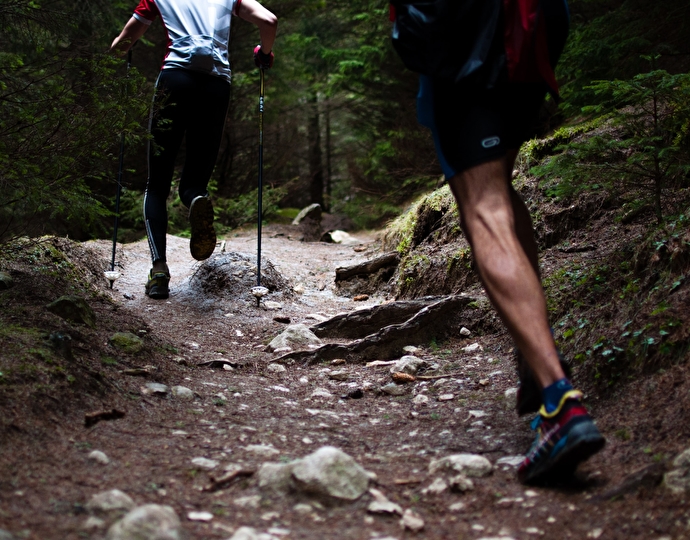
6	282
484	382
272	306
384	507
446	397
276	477
74	309
420	399
474	347
408	364
510	461
295	335
339	375
412	521
678	479
126	342
316	317
457	507
282	319
468	464
595	533
437	487
338	362
321	393
465	332
511	398
147	521
108	501
393	389
276	368
299	288
183	393
200	516
91	523
412	350
331	472
461	483
251	501
205	463
262	450
249	533
303	508
155	389
99	457
361	298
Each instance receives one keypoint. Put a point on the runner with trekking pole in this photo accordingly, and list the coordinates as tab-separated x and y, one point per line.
486	67
191	103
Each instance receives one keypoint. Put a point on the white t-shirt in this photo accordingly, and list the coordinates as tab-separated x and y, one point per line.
198	32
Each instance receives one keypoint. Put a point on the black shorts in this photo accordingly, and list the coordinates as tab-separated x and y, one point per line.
472	126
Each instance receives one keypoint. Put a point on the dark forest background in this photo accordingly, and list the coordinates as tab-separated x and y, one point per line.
340	120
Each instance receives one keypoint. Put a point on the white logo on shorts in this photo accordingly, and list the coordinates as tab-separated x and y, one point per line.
491	142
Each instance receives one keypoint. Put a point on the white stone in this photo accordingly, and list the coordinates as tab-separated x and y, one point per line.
465	332
272	306
412	521
153	388
150	521
468	464
437	487
276	368
408	364
110	500
250	533
200	516
321	393
411	349
393	389
276	477
339	375
183	393
461	483
457	507
331	472
446	397
511	398
420	399
472	348
204	463
595	533
99	457
262	450
295	335
384	507
678	480
510	461
250	501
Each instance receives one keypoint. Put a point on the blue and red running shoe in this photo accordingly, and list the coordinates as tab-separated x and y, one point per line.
565	438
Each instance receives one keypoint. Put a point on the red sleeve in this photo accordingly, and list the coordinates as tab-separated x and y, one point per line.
236	11
146	11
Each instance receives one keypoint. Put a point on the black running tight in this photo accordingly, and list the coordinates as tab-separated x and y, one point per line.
191	106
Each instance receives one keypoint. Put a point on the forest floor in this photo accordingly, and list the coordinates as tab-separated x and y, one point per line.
249	415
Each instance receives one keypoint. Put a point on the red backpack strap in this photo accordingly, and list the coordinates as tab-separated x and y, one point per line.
392	12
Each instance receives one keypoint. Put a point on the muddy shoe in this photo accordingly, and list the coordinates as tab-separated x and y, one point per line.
203	240
529	393
565	438
157	285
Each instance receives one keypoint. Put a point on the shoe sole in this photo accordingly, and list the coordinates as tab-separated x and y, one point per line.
157	293
203	240
583	442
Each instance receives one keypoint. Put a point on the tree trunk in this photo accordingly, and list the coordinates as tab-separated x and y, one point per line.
315	164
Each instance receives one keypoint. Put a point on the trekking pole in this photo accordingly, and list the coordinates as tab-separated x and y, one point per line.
113	275
260	291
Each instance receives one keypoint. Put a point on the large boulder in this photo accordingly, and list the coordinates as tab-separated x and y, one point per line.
147	522
74	309
332	473
295	336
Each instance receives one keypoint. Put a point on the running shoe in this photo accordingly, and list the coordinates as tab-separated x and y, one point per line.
157	285
529	398
203	240
565	438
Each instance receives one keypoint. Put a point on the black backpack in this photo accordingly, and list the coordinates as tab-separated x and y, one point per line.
450	39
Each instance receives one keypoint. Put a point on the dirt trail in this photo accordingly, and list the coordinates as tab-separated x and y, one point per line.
152	448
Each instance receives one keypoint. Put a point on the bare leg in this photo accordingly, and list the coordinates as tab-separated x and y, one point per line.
491	218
